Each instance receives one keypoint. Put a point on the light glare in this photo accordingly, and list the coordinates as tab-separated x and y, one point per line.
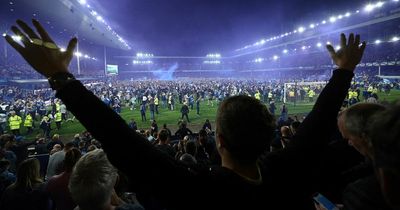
16	38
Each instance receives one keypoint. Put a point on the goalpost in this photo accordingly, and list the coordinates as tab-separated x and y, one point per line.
300	92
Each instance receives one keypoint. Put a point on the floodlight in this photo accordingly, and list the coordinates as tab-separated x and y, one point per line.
16	38
378	41
332	19
99	18
379	4
369	7
395	39
301	29
82	2
258	60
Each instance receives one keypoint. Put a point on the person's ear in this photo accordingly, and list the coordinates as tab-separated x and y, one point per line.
220	141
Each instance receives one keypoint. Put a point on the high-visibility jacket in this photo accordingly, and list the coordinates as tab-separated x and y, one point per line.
257	96
270	95
156	101
350	94
58	107
28	121
311	93
355	94
57	117
15	122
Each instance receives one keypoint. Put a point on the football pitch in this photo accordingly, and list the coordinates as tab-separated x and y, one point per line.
171	118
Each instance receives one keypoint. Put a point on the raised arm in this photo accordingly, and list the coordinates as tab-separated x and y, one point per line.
321	121
128	151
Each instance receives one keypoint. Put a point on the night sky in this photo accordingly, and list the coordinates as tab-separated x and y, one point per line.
197	27
194	27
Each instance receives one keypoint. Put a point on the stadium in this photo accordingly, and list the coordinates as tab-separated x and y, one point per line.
219	99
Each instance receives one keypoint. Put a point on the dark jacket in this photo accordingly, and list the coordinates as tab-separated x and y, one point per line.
288	175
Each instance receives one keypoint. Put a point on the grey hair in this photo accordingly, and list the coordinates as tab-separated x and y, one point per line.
92	180
358	117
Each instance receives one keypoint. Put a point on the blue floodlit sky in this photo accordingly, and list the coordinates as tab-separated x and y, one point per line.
198	27
195	27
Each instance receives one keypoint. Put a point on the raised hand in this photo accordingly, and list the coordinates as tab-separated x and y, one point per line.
350	52
41	52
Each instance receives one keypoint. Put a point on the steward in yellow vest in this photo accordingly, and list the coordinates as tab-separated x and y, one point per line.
15	123
28	123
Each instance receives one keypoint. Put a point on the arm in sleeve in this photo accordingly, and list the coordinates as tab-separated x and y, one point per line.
318	126
128	151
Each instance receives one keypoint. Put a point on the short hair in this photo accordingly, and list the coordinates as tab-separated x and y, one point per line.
384	134
246	127
163	135
56	137
191	148
71	157
358	116
92	180
69	145
91	148
202	132
295	125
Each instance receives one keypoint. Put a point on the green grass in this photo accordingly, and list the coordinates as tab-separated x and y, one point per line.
171	118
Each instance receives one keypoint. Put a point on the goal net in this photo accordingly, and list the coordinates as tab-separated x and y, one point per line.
302	92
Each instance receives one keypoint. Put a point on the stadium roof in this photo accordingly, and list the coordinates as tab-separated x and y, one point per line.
77	16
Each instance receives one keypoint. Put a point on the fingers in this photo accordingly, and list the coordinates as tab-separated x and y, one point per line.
27	29
14	44
71	47
331	50
43	33
18	32
351	39
362	48
342	40
357	40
